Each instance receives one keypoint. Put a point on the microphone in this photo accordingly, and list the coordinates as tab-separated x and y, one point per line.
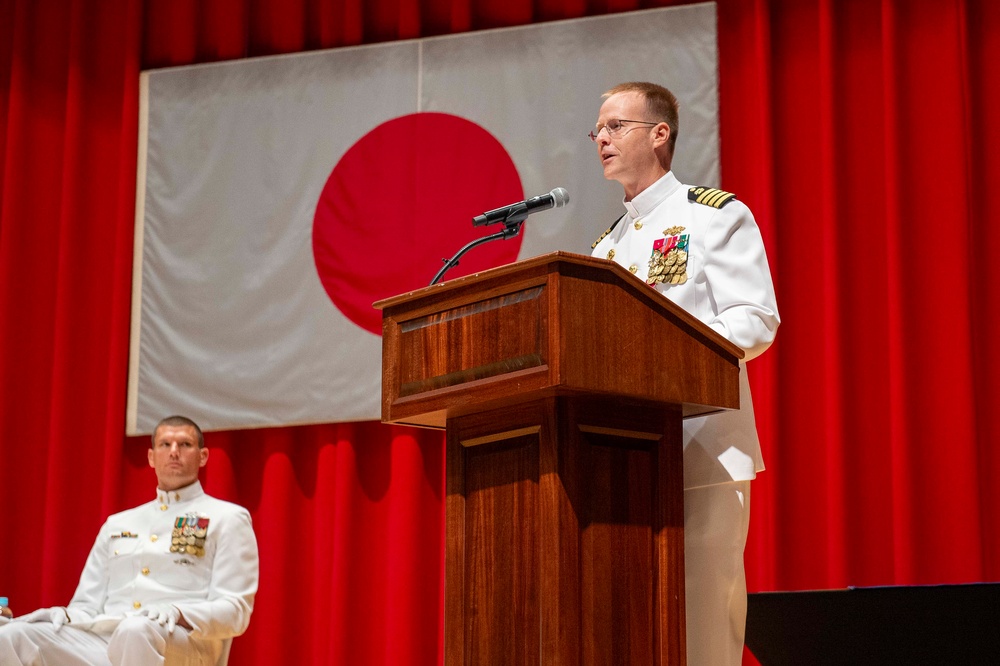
517	212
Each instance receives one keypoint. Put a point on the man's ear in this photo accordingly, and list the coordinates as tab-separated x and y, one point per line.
662	135
149	456
204	457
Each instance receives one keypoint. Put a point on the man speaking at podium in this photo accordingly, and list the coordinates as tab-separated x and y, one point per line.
701	248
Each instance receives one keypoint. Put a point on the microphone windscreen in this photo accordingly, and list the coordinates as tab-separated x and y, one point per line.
560	197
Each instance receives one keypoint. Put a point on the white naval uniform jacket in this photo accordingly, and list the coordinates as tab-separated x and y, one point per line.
131	567
728	288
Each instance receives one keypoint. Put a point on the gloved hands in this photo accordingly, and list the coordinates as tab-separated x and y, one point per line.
56	615
164	615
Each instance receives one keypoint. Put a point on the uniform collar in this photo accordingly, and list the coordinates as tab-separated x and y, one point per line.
646	201
167	498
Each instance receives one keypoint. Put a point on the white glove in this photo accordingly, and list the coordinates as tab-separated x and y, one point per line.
79	618
163	615
56	615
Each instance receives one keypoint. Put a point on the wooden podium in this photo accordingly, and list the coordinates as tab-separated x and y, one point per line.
562	382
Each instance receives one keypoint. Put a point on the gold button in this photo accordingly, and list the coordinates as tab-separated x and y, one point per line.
145	571
153	538
632	269
163	507
116	552
637	225
136	605
611	253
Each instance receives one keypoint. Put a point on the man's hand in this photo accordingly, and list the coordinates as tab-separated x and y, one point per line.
165	615
56	615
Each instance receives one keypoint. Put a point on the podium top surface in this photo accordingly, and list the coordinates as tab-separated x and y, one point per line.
548	262
558	324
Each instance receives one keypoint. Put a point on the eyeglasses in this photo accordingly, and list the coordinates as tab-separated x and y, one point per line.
616	128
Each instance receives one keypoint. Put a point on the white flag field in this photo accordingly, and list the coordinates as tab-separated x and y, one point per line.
279	197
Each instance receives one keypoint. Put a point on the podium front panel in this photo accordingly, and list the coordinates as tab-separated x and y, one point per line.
564	539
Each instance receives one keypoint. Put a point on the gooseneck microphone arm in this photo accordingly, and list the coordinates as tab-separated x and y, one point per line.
512	216
510	230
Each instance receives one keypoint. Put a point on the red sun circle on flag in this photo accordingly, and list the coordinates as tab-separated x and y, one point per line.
400	201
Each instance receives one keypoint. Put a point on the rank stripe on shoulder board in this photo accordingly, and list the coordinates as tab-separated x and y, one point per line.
710	196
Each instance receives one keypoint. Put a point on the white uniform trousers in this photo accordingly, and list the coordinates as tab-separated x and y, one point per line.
716	518
137	641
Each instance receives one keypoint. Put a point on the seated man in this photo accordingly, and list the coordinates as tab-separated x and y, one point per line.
170	581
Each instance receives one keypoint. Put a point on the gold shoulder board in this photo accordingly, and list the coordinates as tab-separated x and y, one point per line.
710	196
604	235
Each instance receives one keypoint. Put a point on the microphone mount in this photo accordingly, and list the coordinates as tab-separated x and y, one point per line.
511	228
513	218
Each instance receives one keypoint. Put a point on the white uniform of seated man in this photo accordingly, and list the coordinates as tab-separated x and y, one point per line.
169	582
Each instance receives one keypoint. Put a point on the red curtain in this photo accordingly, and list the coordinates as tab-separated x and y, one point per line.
859	132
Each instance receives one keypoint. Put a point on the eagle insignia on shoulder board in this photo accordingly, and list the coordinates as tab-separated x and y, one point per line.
710	196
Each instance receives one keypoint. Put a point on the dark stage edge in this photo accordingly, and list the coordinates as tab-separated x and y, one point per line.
932	624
